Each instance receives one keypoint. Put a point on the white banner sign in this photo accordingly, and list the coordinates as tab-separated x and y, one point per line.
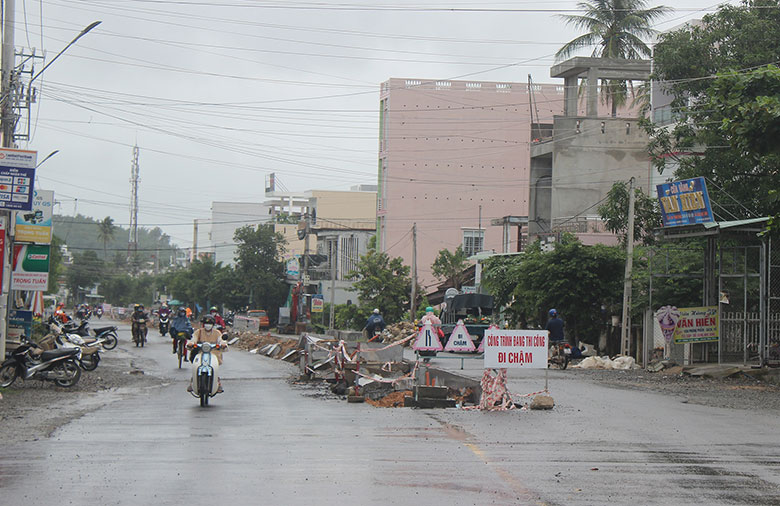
517	349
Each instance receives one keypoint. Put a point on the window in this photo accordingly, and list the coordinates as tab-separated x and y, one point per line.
348	251
473	240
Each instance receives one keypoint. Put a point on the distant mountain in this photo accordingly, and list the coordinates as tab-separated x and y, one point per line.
81	233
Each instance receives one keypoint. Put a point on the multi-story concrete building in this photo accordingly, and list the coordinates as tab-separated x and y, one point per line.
345	222
574	168
226	218
454	155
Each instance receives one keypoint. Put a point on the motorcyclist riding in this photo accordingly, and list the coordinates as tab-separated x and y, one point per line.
375	322
60	315
164	310
555	326
180	324
218	320
138	315
207	334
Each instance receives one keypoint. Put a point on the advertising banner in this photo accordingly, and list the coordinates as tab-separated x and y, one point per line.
317	303
684	202
293	268
19	322
36	225
30	267
515	349
2	251
17	174
697	325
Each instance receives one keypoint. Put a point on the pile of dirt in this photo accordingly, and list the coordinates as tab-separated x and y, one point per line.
400	330
253	340
392	400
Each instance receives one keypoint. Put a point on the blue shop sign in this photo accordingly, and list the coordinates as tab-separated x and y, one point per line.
684	202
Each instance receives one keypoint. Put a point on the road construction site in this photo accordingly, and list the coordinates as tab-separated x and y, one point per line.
278	436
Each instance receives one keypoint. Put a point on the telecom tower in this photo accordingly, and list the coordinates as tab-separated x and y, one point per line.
132	244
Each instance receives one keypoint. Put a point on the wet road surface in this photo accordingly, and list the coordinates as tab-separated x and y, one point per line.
268	441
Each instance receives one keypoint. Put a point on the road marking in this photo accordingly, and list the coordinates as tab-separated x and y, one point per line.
457	433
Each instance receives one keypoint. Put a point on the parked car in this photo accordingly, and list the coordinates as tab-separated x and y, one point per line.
261	315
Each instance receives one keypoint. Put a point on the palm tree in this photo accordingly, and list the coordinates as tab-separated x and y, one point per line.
106	230
616	29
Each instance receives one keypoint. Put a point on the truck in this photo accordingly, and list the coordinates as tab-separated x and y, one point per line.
475	309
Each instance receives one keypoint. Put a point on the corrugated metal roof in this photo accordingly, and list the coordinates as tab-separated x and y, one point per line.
735	223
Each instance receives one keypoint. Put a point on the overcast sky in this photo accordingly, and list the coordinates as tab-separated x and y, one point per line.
219	93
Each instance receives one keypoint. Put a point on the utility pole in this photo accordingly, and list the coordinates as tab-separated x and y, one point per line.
6	110
413	303
132	244
625	335
332	256
194	254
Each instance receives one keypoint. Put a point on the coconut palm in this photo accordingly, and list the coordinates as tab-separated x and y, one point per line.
106	230
616	28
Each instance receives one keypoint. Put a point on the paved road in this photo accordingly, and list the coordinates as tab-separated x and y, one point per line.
267	441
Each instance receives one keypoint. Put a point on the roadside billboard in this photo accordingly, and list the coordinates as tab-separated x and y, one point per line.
19	323
684	202
317	303
17	175
36	225
30	267
515	349
697	325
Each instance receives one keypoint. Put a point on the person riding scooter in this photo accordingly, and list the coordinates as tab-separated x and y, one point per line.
207	334
374	325
180	324
218	320
139	320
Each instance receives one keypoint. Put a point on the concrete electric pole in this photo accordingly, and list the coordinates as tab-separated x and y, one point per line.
625	334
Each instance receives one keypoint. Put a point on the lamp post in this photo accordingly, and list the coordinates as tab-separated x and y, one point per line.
7	99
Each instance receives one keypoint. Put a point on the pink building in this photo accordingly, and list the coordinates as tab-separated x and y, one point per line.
454	155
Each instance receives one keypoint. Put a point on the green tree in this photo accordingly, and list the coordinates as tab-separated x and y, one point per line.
56	267
615	28
258	263
581	282
614	213
449	266
106	231
383	283
84	273
725	128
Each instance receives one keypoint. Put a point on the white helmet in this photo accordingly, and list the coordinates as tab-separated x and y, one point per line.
376	311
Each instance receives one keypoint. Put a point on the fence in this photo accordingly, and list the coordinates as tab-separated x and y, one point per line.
740	334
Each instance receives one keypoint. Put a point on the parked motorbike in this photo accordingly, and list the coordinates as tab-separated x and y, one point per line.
29	361
90	354
164	324
205	377
139	332
105	336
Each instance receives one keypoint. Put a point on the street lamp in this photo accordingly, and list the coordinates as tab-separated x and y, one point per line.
47	157
77	37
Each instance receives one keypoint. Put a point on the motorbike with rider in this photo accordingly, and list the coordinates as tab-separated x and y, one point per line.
208	345
181	331
374	326
164	315
139	325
